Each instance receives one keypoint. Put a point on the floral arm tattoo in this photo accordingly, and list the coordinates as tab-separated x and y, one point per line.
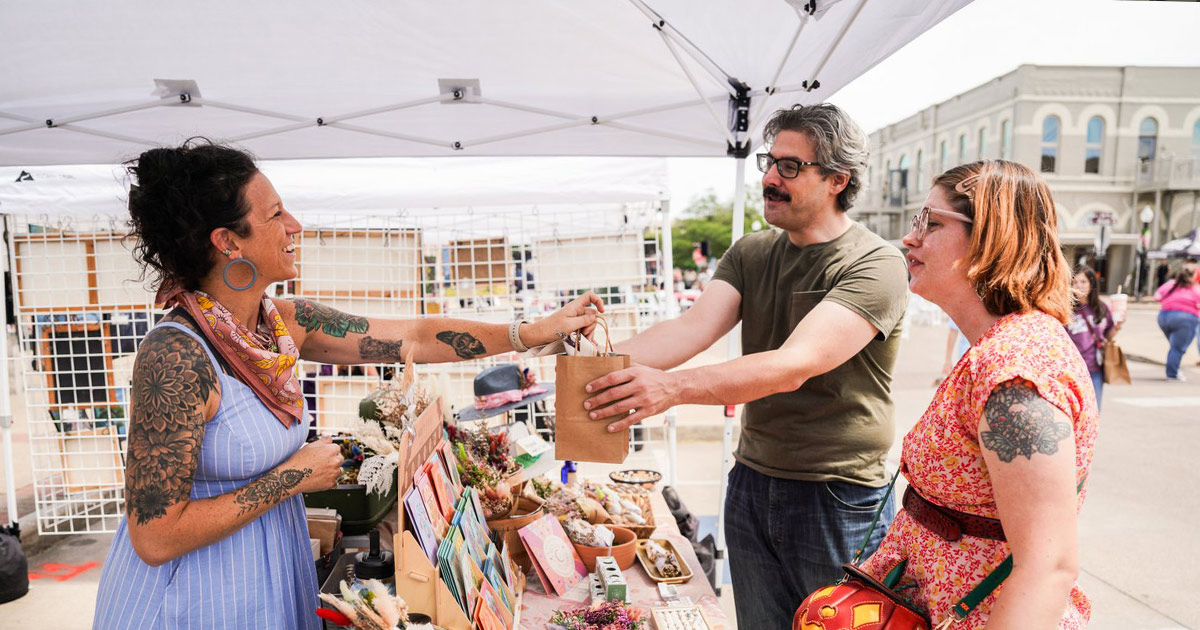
269	489
465	346
1021	422
172	380
313	315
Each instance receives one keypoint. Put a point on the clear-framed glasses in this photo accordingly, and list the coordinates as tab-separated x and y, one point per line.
788	168
920	220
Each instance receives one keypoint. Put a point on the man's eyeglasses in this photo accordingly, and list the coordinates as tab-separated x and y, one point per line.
920	220
788	168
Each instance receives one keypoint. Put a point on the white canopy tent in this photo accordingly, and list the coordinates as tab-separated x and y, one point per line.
100	82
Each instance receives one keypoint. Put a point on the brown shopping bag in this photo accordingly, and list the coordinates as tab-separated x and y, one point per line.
577	437
1115	368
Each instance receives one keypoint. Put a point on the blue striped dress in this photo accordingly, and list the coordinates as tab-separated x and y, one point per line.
260	577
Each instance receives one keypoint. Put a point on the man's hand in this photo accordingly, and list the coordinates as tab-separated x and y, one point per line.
644	391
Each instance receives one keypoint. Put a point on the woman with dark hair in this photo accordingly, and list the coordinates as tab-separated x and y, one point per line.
215	532
1180	315
1091	325
994	463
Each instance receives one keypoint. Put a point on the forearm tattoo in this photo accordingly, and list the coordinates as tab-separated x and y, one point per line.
172	380
372	348
269	489
1021	422
313	315
465	346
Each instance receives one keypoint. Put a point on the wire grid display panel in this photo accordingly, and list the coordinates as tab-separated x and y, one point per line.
490	266
82	311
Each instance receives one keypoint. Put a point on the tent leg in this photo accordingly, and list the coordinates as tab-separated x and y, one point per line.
668	310
10	482
735	350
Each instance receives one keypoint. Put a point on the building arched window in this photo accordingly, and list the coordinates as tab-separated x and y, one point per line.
1094	146
1147	139
919	175
1050	134
979	150
943	157
962	148
1196	141
903	168
1006	140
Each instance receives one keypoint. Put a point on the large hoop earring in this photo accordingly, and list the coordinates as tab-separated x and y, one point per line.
230	264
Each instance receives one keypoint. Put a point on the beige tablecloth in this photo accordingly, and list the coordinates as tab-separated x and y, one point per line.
537	607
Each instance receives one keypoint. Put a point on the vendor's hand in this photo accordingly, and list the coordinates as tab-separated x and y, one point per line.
323	461
644	390
576	315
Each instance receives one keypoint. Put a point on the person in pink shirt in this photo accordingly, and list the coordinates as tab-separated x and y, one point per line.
1180	315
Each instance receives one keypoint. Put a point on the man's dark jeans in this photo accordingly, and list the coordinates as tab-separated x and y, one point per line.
788	538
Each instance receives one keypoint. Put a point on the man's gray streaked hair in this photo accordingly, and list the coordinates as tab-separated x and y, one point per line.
840	144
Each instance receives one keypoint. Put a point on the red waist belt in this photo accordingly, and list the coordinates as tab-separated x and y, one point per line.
950	525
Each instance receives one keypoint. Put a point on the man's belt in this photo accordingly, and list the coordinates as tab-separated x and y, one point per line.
949	524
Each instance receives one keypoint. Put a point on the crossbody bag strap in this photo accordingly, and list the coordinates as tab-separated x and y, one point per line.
989	583
875	521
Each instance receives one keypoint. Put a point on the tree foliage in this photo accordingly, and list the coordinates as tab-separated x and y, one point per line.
709	219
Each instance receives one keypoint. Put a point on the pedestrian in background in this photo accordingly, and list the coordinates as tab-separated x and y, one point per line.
1180	314
1091	325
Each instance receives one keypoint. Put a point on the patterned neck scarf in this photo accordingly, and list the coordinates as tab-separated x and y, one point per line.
266	361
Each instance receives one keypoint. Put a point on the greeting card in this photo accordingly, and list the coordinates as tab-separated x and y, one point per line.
558	566
422	526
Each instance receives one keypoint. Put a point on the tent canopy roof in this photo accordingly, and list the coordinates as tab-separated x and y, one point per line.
312	79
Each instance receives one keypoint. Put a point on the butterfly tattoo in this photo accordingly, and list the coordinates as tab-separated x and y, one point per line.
1021	422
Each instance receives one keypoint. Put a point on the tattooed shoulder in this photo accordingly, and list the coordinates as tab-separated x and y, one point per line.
172	382
1021	422
313	315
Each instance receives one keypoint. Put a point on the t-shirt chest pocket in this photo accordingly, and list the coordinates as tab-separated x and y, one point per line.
802	304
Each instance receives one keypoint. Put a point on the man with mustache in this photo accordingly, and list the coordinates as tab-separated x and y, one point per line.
821	300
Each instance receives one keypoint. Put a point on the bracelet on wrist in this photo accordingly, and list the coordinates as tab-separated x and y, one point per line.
514	335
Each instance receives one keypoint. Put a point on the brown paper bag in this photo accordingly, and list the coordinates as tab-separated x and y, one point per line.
577	437
1116	370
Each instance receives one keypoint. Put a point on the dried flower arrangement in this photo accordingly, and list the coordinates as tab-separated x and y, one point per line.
608	615
369	608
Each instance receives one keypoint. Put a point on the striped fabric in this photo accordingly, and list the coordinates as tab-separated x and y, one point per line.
260	577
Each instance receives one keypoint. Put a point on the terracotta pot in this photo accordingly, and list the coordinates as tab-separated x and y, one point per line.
623	549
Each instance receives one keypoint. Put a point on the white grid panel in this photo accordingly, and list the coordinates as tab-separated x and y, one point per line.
82	311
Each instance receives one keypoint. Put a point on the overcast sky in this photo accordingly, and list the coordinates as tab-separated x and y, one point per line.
984	40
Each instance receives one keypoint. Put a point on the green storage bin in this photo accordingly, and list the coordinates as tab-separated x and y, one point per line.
361	510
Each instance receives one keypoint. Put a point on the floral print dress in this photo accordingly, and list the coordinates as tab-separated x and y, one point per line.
941	458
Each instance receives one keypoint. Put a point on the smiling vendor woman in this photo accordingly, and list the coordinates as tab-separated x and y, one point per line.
215	533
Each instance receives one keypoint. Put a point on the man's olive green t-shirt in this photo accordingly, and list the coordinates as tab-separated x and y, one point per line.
837	426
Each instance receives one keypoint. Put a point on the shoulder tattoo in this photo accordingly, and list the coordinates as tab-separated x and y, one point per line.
465	346
172	381
313	315
1021	422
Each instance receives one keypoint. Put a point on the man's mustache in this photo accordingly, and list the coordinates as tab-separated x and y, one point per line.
775	194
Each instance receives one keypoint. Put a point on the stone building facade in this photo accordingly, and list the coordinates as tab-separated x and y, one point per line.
1110	141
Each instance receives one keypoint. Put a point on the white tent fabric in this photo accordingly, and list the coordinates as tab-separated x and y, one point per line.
312	79
366	186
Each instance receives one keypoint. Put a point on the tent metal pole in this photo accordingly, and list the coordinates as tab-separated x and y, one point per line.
669	310
10	482
735	350
696	86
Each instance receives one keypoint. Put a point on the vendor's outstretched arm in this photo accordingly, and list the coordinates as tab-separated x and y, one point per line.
670	343
330	336
827	337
